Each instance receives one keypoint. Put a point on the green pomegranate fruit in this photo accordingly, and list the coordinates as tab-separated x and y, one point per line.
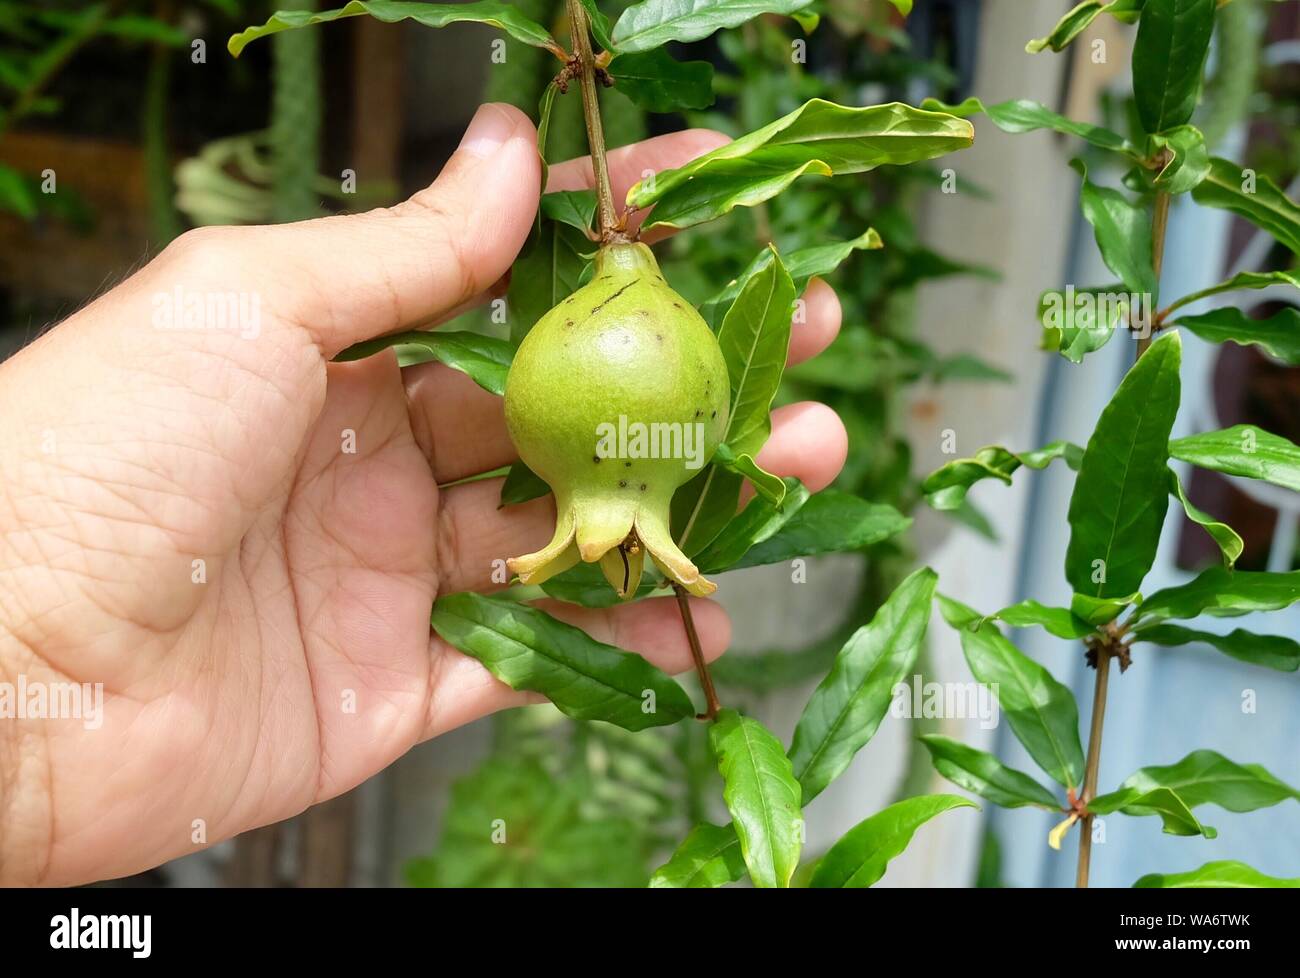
616	398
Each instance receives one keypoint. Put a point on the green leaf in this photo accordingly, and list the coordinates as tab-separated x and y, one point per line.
1189	161
1243	450
17	194
708	856
945	488
904	7
653	23
1203	777
1221	875
485	359
1174	812
1061	622
501	15
751	526
1242	280
575	208
980	772
754	337
528	649
600	25
1123	232
863	853
1025	115
1278	335
846	708
1122	491
1099	611
658	82
1273	651
829	522
1077	322
1077	20
1230	543
769	486
802	264
549	269
1222	593
545	106
1173	39
762	795
522	484
818	137
1042	713
1254	197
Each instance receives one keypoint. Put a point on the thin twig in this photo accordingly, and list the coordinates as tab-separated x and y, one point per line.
1159	223
1094	761
581	40
712	706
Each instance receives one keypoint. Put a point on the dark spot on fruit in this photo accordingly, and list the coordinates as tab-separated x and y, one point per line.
643	487
596	459
622	483
714	414
677	305
659	337
698	413
628	464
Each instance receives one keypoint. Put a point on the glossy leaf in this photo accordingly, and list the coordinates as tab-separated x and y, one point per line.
1189	160
819	137
1077	20
753	525
829	522
802	264
1277	335
1175	814
1224	594
1238	282
549	270
658	82
1221	875
502	15
769	486
862	854
1229	541
1122	229
1203	777
1025	115
653	23
762	795
1252	196
980	772
522	484
485	359
1042	713
575	208
1099	611
1077	322
754	337
528	649
601	26
1061	622
846	708
1122	491
1173	39
1273	651
708	856
1243	450
945	488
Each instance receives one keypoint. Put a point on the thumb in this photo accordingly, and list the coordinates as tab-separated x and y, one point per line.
353	277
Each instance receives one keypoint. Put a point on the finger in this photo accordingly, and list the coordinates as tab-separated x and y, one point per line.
629	164
464	690
808	442
460	427
353	277
820	325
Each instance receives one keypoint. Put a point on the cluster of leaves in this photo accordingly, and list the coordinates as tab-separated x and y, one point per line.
765	787
1124	481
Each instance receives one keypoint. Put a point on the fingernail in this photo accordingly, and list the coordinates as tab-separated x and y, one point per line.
488	130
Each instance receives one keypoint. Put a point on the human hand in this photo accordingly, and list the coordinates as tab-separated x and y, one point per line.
181	519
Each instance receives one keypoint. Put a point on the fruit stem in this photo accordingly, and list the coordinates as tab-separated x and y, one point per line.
711	704
579	27
1093	763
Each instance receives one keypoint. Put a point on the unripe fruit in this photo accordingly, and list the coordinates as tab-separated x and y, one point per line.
615	398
